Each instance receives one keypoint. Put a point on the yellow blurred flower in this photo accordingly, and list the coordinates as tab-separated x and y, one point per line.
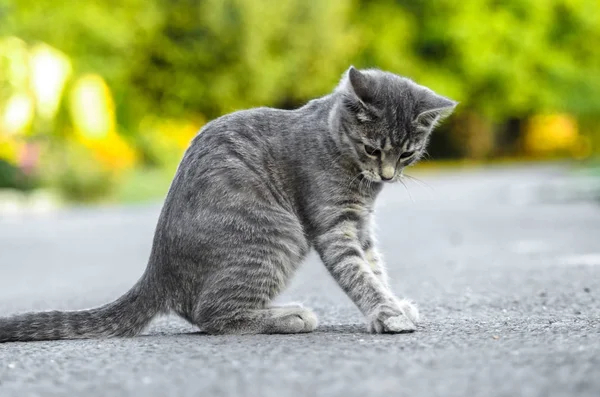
92	107
551	133
50	70
112	151
93	114
18	114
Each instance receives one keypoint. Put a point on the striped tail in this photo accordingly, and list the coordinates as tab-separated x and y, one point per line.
127	316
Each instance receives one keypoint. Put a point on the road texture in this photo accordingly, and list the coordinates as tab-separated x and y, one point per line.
508	284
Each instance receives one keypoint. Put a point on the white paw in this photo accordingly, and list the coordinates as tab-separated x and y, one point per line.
399	324
410	310
394	318
310	320
299	319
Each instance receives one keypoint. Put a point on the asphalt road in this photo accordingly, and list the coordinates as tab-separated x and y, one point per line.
508	286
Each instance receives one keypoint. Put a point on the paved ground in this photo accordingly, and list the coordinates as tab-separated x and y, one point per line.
509	288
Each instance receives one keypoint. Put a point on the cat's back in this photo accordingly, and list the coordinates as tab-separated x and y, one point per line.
235	154
250	126
249	152
263	124
252	141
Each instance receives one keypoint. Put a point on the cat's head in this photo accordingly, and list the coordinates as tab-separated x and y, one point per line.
386	120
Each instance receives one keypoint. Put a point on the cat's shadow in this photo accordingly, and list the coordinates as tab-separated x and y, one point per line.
322	329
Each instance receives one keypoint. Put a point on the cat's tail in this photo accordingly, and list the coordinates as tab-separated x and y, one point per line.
127	316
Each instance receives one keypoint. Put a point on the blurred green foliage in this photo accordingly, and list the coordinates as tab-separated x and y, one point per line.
501	58
504	61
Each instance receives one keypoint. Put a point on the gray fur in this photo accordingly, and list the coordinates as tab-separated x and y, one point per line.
255	191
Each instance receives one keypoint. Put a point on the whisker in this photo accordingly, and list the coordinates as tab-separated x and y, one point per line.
407	190
360	186
354	178
419	182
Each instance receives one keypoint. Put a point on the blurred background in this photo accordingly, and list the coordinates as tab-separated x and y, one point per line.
99	99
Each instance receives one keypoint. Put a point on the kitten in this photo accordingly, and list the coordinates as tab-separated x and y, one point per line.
255	191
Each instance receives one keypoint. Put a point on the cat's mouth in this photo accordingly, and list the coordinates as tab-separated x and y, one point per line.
374	177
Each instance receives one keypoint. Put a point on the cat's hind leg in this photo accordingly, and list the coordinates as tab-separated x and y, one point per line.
260	249
277	320
237	298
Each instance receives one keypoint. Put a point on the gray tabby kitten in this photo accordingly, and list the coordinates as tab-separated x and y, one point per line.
254	192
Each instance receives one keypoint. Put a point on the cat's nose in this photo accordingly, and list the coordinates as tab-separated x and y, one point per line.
387	172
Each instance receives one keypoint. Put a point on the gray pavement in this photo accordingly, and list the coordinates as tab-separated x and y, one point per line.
508	284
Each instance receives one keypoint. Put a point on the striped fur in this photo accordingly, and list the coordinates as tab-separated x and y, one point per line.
255	191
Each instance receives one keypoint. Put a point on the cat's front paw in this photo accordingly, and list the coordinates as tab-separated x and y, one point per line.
393	319
409	309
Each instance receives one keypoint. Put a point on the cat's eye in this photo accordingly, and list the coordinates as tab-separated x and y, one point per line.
406	155
371	151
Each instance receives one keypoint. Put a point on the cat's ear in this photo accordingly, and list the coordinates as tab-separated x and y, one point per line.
359	82
357	88
432	108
